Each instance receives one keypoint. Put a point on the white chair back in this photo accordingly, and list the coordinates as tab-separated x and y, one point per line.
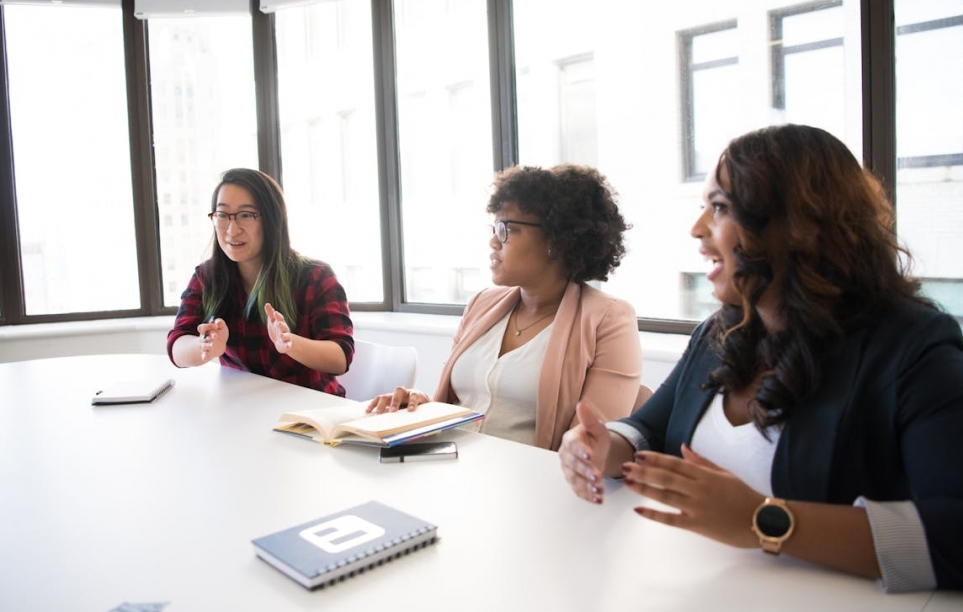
377	369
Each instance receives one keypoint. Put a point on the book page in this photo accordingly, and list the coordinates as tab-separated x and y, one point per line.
388	423
326	419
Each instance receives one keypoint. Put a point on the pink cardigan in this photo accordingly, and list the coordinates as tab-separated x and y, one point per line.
593	353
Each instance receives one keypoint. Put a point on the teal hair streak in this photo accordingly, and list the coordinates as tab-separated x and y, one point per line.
279	294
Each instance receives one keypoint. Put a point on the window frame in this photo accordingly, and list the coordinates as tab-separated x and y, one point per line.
878	72
930	161
780	51
687	71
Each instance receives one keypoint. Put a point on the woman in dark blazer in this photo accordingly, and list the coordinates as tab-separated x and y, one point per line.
819	411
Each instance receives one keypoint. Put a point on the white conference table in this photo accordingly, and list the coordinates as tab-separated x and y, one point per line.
101	506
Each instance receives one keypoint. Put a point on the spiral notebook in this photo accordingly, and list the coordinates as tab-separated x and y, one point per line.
337	546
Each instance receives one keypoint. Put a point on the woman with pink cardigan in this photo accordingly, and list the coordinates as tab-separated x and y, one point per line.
530	348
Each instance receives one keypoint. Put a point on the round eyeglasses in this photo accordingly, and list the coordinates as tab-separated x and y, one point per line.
243	219
500	228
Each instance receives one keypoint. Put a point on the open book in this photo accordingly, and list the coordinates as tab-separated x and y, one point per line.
349	423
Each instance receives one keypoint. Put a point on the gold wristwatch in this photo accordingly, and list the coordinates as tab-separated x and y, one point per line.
773	522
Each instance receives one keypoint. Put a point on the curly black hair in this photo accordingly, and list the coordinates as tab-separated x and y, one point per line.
578	212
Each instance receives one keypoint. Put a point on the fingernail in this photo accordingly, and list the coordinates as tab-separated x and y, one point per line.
629	480
585	456
593	478
639	510
626	468
596	490
640	456
597	500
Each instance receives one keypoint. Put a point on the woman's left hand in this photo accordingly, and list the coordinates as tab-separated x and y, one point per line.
711	501
278	329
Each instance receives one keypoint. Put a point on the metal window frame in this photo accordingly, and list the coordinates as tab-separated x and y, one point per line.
878	74
687	70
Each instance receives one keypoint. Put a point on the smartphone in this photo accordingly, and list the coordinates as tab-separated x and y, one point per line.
419	451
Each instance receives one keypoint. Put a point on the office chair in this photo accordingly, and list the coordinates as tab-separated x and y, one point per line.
644	394
377	369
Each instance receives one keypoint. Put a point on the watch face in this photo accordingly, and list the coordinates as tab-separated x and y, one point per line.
773	521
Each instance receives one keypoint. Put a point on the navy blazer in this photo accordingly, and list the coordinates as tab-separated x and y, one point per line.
886	423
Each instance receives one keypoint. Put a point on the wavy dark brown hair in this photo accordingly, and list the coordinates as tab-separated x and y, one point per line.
810	213
577	209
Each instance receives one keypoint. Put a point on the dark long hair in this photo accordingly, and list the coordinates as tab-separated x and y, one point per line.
808	210
281	265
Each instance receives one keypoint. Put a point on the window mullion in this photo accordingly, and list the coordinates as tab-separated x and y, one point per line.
389	169
11	283
879	91
142	161
502	64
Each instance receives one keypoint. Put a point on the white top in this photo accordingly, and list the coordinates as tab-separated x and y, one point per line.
741	449
504	388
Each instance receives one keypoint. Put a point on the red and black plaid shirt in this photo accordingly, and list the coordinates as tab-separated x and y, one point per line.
323	315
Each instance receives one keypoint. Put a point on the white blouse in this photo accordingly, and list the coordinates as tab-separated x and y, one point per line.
741	449
503	388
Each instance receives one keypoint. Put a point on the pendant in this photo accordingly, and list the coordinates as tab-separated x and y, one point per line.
518	333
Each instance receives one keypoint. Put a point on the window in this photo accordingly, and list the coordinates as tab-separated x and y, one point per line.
71	153
929	144
578	130
199	135
710	79
445	143
329	154
648	92
809	83
927	98
654	93
697	299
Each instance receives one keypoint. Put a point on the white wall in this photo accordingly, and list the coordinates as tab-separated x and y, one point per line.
429	334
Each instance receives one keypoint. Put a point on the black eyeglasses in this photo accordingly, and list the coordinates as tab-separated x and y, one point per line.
500	228
245	218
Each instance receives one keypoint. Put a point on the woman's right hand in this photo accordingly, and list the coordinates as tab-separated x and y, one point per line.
401	398
213	339
584	452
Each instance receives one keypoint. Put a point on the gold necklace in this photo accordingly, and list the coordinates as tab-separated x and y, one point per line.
518	332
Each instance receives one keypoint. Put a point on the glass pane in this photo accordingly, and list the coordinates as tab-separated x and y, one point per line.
672	84
929	143
71	150
328	141
205	122
445	140
813	26
711	128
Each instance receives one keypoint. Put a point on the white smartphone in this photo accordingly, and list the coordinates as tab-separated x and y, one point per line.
419	451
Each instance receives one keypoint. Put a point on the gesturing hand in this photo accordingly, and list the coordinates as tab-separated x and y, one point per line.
400	398
711	501
278	329
213	339
583	453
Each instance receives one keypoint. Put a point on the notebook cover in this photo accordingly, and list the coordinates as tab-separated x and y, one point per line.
340	545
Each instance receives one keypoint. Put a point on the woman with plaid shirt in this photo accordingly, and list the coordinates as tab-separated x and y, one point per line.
232	307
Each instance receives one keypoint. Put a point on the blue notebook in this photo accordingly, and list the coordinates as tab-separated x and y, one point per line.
323	551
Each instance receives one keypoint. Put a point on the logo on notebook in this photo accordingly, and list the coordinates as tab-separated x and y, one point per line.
341	533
